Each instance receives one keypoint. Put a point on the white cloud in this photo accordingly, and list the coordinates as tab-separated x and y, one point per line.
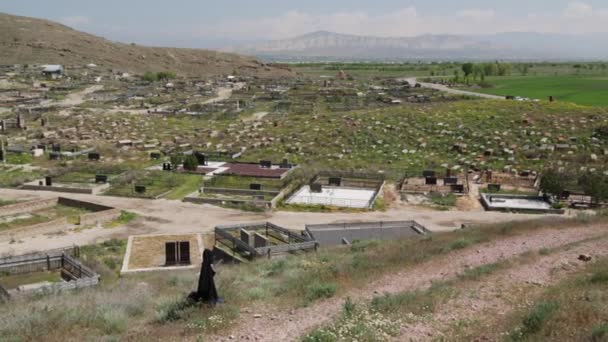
476	13
76	20
578	10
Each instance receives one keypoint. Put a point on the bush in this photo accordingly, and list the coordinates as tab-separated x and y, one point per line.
320	290
600	333
599	277
461	243
533	322
191	163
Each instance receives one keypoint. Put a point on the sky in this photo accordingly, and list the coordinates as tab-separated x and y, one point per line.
221	23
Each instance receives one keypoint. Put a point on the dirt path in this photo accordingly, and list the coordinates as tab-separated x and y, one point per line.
289	326
492	297
441	87
165	216
74	99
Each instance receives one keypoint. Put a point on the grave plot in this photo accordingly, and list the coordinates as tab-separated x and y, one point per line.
518	203
245	242
72	182
165	252
432	182
13	176
337	189
154	184
525	180
51	216
46	272
327	235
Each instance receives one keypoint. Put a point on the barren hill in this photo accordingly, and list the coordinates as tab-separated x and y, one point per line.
26	40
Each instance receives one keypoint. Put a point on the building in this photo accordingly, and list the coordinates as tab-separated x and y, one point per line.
53	70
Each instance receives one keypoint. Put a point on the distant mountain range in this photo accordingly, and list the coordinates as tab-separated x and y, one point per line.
515	46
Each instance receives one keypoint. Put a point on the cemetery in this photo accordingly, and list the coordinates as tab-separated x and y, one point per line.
518	203
71	183
49	216
147	253
47	272
431	182
339	189
153	184
337	234
245	242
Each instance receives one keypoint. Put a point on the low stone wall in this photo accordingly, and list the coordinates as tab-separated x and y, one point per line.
99	217
26	207
83	204
218	201
55	226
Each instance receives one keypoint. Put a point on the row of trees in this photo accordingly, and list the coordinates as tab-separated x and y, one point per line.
479	71
595	185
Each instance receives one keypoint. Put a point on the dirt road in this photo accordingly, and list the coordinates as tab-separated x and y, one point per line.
413	81
165	216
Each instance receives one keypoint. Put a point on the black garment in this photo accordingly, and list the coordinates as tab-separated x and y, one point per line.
207	292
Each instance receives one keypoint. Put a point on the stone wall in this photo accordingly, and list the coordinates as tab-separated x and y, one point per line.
99	217
26	207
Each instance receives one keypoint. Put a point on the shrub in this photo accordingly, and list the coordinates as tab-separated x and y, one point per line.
599	277
461	243
191	163
600	333
320	290
536	318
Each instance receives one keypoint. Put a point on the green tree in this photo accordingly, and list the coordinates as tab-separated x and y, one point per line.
150	77
595	185
552	183
191	163
177	159
467	68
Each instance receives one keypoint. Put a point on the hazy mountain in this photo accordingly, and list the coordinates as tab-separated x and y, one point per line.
26	40
503	46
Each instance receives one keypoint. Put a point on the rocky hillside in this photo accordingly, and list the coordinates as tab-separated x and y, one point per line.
26	40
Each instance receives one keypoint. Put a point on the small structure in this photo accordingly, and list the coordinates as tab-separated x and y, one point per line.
60	269
245	242
518	203
347	233
53	70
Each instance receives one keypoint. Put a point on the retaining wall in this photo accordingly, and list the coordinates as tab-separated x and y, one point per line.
26	207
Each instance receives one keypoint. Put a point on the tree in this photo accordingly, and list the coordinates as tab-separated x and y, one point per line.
177	159
467	68
191	163
552	183
595	185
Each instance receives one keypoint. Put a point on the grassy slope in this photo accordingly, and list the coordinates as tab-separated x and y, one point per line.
149	306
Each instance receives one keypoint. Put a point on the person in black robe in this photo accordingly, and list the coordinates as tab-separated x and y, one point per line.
206	292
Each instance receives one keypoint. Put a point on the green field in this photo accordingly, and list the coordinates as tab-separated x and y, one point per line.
583	89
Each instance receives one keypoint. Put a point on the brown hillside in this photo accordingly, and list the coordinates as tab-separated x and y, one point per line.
26	40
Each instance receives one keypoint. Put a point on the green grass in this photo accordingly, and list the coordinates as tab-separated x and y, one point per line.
124	218
188	184
168	184
14	281
584	89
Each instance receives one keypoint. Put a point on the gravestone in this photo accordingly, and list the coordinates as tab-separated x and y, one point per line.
335	181
140	189
170	253
565	194
155	155
428	173
94	156
54	156
285	164
316	188
247	237
1	155
431	180
494	187
101	179
254	186
259	240
48	181
265	164
201	158
177	253
450	180
457	188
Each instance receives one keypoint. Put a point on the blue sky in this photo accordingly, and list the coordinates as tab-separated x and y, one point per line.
204	23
